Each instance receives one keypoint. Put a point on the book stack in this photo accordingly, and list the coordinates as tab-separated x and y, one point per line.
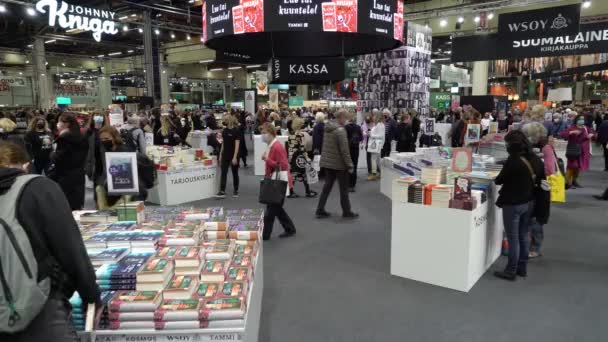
109	256
144	241
181	287
98	216
123	274
224	312
133	309
155	275
195	215
131	211
152	226
400	188
415	193
217	250
462	195
174	314
245	250
236	289
441	196
188	261
78	313
239	273
428	193
214	270
245	230
484	190
207	290
433	175
121	226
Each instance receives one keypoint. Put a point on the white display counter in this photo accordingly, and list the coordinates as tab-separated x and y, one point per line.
187	185
451	248
388	176
248	333
259	147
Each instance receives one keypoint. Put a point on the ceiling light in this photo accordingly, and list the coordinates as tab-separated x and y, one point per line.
172	35
100	56
587	4
50	41
30	46
30	11
27	62
20	73
157	32
63	64
234	68
217	69
254	66
476	19
134	15
443	23
490	16
123	18
140	30
125	28
130	51
115	53
432	61
188	37
2	8
461	20
206	61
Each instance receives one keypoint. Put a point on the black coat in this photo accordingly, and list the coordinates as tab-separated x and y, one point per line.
69	159
405	138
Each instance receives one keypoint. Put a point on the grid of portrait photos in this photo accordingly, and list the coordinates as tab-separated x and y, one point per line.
397	79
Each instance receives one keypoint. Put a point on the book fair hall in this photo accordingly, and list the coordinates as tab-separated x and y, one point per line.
303	170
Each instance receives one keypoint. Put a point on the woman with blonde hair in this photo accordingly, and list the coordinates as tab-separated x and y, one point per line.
229	155
298	158
39	144
166	134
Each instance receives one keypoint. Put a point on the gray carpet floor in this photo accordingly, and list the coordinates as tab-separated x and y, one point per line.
332	283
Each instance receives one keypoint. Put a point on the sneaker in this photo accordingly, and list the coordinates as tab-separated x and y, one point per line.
371	177
322	214
522	274
311	194
533	255
350	215
599	197
235	194
220	194
505	275
287	234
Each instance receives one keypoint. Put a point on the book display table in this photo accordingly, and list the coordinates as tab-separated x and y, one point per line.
388	175
259	147
248	333
498	149
185	185
457	246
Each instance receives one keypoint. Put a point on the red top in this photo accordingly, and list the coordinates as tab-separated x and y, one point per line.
276	158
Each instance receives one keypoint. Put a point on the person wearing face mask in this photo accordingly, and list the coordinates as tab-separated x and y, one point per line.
275	158
556	126
39	144
579	149
94	164
404	136
69	158
39	207
366	128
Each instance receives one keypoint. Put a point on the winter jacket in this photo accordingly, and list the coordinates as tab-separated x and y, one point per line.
336	152
317	137
56	242
69	158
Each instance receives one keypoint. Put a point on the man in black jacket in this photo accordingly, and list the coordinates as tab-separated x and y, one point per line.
45	215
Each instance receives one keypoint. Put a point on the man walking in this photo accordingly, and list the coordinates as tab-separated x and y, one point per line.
336	160
390	126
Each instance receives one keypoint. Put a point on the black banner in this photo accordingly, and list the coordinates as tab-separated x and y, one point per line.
306	70
592	38
562	20
239	58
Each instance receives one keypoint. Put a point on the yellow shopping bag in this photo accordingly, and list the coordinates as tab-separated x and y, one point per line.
558	187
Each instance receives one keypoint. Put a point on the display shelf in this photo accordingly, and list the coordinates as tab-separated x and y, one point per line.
248	333
186	185
458	246
388	176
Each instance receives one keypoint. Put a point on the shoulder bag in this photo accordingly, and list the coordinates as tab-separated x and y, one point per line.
273	190
542	195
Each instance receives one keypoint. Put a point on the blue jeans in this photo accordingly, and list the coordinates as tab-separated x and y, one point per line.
538	235
517	226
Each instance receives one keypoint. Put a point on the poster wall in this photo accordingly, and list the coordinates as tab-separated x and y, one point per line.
398	79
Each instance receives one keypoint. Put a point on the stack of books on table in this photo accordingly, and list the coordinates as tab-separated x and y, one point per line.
133	309
433	175
155	275
109	256
123	274
415	193
441	196
188	261
400	188
79	311
245	230
136	240
98	216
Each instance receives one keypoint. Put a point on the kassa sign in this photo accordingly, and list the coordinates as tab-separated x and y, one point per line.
547	21
306	70
78	17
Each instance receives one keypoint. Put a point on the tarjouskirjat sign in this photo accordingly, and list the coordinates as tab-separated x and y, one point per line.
84	18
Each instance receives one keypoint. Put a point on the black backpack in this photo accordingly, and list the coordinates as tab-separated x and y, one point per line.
128	140
146	171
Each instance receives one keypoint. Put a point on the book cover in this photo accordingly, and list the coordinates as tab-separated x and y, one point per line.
167	252
188	257
181	287
155	270
234	289
215	235
346	15
242	261
253	15
237	20
135	301
239	273
214	270
462	159
244	250
462	188
207	290
328	11
110	255
122	226
217	252
178	310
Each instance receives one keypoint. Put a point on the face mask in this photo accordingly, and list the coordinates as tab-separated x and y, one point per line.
40	125
580	122
98	119
107	145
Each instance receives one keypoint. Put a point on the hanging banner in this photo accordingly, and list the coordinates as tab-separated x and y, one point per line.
13	81
592	38
306	70
250	101
559	20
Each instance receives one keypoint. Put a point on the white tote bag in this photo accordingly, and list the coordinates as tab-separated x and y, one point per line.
316	163
312	177
374	145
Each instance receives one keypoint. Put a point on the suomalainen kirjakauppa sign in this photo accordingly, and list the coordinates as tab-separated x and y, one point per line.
69	16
